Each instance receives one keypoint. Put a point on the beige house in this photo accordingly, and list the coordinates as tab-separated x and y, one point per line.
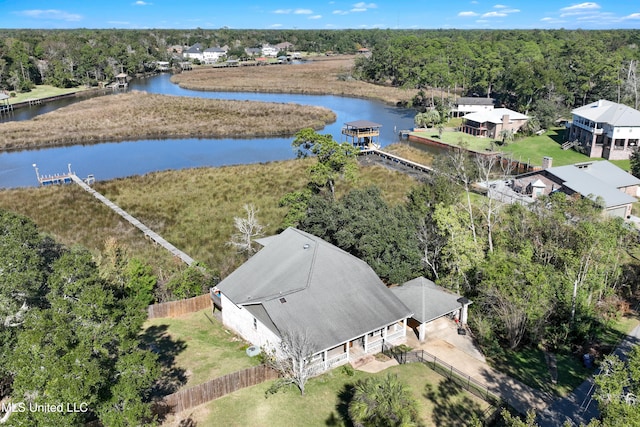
489	123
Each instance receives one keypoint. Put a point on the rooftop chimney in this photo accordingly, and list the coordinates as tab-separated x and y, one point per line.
547	162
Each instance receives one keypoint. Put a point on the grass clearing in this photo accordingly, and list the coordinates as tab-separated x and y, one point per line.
325	403
319	76
191	208
43	91
196	347
531	149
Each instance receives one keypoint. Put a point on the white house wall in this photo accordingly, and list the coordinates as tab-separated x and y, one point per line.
241	321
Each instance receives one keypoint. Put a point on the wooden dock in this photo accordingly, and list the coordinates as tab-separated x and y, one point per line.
395	159
135	222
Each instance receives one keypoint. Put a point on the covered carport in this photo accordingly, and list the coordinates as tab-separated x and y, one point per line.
431	305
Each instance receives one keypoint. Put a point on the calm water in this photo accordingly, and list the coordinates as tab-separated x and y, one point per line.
119	159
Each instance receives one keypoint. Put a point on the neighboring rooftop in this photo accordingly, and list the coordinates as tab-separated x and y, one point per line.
598	179
603	111
494	116
474	100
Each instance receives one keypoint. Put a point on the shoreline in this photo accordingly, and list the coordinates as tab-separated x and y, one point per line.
140	115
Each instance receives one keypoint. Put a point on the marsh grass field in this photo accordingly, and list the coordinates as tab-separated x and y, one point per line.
140	115
320	76
191	208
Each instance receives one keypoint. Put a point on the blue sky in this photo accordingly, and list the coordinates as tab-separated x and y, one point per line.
319	14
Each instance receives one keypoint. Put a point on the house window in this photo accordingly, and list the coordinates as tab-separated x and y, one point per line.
618	144
255	324
633	143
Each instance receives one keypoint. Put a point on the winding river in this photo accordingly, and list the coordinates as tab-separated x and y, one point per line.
120	159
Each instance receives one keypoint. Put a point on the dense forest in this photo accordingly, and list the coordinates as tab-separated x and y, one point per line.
539	72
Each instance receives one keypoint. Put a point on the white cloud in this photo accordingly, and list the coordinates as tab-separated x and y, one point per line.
51	14
275	25
467	13
340	12
315	17
581	7
303	11
363	7
500	6
494	15
282	11
118	22
142	3
632	16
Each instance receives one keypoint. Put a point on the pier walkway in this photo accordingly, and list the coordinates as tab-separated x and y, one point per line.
136	223
395	162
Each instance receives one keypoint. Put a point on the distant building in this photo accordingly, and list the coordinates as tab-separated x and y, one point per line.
269	51
468	104
194	52
253	51
605	129
213	54
284	46
489	123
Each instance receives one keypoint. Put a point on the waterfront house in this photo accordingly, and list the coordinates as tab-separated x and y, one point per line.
471	104
491	122
194	52
213	54
605	129
299	283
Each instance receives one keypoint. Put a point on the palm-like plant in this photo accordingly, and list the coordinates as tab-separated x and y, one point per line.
383	402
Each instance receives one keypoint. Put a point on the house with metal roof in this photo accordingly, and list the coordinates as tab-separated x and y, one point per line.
489	123
299	283
600	181
605	129
432	305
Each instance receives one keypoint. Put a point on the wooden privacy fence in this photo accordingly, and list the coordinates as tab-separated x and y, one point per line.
217	387
178	308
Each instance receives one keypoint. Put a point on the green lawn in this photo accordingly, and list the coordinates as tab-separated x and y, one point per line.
325	403
195	348
43	91
530	149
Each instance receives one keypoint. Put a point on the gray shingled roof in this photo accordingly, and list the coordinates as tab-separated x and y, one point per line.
299	281
604	111
474	100
427	300
600	179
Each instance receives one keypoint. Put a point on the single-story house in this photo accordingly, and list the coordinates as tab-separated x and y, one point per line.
431	305
299	283
489	123
601	179
605	129
471	104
